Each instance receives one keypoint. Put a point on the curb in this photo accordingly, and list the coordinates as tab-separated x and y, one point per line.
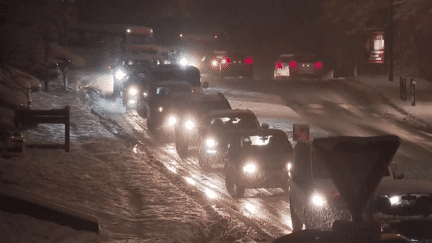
41	208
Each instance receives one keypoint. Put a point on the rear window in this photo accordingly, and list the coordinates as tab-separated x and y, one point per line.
165	90
239	121
269	143
300	58
190	76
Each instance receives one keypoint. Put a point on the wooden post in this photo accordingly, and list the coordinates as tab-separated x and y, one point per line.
67	129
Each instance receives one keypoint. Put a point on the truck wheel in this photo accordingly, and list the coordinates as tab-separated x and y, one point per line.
233	189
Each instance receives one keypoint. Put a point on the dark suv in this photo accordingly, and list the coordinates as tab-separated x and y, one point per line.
259	158
131	76
214	142
161	103
194	117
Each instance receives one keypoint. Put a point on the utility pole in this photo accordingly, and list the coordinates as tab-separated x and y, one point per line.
389	40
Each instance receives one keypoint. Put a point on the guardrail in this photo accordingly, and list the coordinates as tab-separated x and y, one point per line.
53	116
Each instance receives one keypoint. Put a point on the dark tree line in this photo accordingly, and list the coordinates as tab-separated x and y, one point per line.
412	22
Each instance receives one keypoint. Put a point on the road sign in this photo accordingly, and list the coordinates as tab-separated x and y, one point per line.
356	165
300	132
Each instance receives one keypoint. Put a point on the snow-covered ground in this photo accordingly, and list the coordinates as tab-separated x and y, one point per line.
111	173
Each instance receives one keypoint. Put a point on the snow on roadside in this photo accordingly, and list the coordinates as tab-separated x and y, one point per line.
100	176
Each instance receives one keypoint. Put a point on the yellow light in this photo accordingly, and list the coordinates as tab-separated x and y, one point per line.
289	166
210	142
250	168
133	91
318	200
189	125
172	121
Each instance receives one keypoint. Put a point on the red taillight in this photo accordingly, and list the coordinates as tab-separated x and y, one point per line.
279	65
318	64
228	60
248	60
293	64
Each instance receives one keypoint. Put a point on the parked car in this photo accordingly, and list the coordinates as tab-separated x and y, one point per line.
259	158
404	207
299	65
214	142
11	142
193	112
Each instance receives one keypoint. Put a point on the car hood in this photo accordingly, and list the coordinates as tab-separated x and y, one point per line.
389	186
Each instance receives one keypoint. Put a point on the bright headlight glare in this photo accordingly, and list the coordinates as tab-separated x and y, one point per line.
289	166
250	168
224	61
160	109
318	200
189	125
395	200
172	120
210	142
133	91
183	61
120	74
214	63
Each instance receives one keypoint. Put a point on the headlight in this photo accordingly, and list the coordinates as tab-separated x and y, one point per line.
172	121
189	125
318	200
289	166
250	168
120	74
395	200
223	61
214	63
160	109
133	91
183	61
132	102
210	142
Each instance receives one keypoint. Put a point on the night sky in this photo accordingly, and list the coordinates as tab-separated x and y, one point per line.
264	20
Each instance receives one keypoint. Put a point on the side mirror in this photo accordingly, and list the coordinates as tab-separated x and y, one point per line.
265	126
205	85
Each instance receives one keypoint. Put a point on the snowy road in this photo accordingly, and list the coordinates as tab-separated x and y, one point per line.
267	208
140	188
